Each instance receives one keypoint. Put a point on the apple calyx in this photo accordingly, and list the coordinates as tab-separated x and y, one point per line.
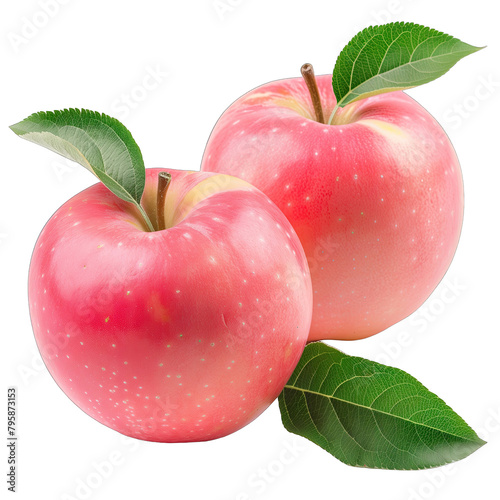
164	179
307	72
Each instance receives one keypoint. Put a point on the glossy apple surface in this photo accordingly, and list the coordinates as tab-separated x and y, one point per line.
184	334
376	198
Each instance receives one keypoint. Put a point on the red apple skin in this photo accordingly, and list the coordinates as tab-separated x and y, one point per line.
185	334
376	199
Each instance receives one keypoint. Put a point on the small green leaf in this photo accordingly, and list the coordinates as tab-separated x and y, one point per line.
98	142
371	415
394	56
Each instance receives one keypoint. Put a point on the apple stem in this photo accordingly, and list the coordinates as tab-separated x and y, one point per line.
164	179
308	75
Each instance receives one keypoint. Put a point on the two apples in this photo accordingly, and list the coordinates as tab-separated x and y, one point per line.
189	331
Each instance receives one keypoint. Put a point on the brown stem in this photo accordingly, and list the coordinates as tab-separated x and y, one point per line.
164	179
308	75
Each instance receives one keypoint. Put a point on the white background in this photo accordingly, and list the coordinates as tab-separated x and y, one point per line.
94	54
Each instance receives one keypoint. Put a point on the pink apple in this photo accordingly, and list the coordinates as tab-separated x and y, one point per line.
184	334
376	198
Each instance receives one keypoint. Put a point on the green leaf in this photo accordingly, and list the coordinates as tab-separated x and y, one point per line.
98	142
394	56
371	415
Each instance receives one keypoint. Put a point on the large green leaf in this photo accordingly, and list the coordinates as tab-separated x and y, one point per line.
394	56
98	142
371	415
